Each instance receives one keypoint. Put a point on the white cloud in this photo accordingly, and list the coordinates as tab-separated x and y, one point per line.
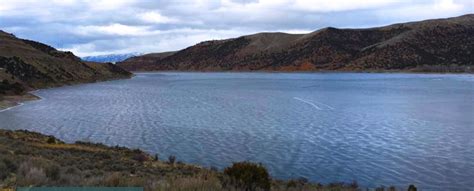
156	17
304	5
437	9
296	31
4	7
117	26
65	2
113	29
339	5
160	41
105	5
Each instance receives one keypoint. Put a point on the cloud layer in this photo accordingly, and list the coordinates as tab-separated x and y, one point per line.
94	27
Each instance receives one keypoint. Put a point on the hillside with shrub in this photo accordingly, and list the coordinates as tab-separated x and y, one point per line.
27	65
440	45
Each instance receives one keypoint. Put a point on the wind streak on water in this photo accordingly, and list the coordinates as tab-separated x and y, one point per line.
308	102
312	103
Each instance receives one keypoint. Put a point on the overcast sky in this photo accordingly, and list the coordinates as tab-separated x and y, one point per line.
95	27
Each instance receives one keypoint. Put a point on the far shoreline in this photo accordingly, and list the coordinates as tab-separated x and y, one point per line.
307	72
301	72
11	101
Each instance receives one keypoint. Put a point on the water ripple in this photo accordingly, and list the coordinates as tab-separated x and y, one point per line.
378	129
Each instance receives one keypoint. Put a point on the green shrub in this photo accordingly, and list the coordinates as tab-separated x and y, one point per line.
51	140
249	176
412	187
294	183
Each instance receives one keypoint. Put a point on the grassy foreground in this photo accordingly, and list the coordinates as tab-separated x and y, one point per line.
33	159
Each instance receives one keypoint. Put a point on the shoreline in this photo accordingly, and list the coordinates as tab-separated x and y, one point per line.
12	101
304	72
119	166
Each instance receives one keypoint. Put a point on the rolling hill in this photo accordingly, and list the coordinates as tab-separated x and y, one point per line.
28	65
440	45
144	62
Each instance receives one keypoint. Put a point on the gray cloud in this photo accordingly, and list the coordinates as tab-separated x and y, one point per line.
91	27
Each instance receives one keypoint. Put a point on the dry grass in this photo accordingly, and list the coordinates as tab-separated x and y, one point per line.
33	159
68	147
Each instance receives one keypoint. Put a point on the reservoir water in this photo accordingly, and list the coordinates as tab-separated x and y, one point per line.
377	129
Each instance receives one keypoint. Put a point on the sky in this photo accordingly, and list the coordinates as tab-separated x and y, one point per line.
98	27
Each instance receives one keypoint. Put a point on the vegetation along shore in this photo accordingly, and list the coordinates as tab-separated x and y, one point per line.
32	159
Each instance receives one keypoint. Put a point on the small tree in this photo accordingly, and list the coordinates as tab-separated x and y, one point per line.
249	176
412	187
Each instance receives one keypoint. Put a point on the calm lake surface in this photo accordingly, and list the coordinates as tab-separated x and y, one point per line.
390	129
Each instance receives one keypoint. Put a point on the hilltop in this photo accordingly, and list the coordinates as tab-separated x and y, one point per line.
440	45
27	65
144	62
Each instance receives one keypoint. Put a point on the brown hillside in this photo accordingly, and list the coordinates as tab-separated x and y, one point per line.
441	45
32	65
144	62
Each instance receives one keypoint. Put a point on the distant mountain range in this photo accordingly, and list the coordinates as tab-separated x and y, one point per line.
110	57
28	65
441	45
